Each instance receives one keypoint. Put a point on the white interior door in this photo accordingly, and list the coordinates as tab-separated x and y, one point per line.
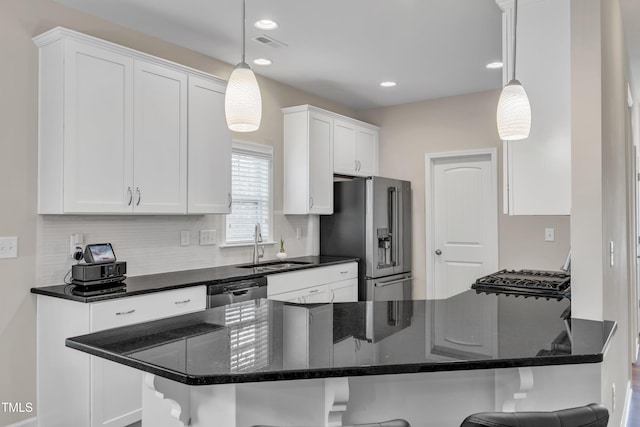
462	220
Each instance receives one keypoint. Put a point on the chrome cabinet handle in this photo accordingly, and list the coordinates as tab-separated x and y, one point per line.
333	295
122	313
139	194
230	200
130	196
356	166
310	202
438	252
313	291
359	165
182	302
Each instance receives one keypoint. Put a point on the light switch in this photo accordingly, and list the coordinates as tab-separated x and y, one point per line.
611	253
185	238
9	247
549	234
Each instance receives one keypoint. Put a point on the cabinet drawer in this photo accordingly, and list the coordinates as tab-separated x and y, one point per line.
295	280
142	308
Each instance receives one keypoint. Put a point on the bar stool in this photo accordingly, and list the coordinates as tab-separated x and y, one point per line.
592	415
390	423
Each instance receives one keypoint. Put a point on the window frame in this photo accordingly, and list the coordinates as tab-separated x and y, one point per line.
260	150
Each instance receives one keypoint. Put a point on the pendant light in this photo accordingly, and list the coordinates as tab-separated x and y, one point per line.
242	100
514	111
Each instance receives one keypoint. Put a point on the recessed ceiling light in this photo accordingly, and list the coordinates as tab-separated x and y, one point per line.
494	65
262	61
266	24
388	84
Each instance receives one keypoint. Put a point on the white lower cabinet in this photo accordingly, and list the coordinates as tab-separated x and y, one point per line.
335	283
77	389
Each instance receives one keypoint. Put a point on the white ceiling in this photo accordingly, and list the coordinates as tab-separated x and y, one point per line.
338	49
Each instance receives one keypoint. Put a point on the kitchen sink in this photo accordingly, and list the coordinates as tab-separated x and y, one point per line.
275	265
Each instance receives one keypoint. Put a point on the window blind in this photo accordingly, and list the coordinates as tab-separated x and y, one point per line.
248	324
251	193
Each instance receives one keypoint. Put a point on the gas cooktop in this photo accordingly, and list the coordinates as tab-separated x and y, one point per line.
527	283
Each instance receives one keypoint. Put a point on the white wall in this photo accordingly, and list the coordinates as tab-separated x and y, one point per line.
151	244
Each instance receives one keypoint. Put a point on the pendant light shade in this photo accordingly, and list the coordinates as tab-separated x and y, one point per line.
514	112
242	99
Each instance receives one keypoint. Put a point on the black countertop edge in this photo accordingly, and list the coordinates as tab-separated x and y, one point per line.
347	371
139	285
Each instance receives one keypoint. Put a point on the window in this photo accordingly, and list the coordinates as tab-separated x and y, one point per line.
250	192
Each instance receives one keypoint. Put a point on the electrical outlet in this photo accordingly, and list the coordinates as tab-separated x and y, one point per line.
549	234
207	237
76	240
185	238
9	247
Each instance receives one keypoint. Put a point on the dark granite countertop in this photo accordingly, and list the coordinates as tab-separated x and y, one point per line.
291	341
180	279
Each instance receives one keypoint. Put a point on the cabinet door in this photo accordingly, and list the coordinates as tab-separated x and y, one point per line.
98	130
160	140
344	148
320	164
116	398
367	152
537	173
209	149
344	291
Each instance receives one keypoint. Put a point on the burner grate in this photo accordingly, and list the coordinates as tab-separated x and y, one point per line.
534	283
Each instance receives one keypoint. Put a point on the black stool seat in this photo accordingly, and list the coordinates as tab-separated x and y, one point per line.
390	423
593	415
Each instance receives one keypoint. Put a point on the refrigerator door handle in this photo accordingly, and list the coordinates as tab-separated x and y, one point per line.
395	238
392	282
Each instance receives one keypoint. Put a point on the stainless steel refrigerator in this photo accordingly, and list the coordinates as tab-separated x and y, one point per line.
372	221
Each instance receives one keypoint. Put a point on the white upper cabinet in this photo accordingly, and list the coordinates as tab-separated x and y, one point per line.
159	139
537	170
355	148
317	145
209	149
113	132
86	124
308	161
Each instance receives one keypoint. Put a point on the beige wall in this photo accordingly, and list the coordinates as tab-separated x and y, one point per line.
459	123
616	184
20	20
601	186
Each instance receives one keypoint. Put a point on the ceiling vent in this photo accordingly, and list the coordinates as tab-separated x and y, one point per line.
268	41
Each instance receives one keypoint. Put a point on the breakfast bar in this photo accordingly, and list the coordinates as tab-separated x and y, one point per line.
271	362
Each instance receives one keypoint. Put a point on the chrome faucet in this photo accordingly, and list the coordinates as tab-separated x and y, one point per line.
258	252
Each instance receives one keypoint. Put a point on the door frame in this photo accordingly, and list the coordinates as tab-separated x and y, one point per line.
430	160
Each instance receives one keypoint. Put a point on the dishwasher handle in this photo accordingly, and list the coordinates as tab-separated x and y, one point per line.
238	292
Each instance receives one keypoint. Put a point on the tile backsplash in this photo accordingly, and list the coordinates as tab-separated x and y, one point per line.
151	244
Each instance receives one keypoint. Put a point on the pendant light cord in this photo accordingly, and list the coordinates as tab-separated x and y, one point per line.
244	5
515	34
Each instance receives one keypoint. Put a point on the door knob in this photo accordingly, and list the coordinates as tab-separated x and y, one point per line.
438	252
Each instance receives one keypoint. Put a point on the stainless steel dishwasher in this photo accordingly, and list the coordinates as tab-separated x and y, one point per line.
241	290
